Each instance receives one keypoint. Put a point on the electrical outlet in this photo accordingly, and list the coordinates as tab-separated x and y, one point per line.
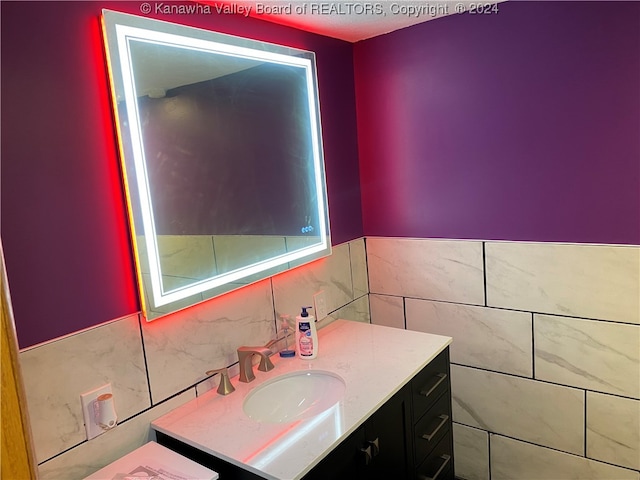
88	401
320	305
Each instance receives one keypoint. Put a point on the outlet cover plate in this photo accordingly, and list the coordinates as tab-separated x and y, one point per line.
320	305
88	400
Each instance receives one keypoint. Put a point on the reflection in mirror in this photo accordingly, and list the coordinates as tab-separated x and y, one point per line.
222	158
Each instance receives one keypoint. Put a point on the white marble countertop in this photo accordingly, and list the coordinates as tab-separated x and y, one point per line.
374	361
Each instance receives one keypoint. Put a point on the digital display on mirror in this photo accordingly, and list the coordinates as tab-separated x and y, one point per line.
221	152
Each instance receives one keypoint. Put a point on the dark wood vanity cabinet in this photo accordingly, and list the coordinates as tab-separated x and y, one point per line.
409	437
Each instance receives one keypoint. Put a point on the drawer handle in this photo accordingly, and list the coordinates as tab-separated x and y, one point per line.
443	420
446	459
440	378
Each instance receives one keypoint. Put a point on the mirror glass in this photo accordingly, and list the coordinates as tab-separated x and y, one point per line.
221	155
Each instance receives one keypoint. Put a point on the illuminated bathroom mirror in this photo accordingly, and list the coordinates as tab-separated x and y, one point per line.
221	154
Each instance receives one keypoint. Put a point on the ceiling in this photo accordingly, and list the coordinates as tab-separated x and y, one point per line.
159	68
350	20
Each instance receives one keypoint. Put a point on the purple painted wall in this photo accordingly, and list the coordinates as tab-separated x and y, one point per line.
522	125
64	227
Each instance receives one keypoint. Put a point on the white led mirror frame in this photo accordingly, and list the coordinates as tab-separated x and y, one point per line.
120	30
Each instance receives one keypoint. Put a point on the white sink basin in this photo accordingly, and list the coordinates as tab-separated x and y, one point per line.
294	396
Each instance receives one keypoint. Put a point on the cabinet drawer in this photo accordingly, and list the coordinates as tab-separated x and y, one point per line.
439	464
430	384
432	427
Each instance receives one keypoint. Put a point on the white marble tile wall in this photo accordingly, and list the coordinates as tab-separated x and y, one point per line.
235	251
613	429
430	269
599	356
201	256
489	338
541	413
184	258
181	347
471	452
55	374
577	343
331	275
542	331
358	257
387	310
154	367
190	256
358	311
588	281
512	459
90	456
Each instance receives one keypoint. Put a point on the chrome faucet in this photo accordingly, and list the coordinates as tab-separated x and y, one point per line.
245	357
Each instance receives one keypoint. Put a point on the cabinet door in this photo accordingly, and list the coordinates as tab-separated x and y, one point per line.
343	463
388	437
380	449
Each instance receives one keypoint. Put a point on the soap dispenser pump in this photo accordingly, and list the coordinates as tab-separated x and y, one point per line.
306	335
285	327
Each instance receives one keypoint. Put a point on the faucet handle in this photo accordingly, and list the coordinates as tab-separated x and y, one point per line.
266	365
225	387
